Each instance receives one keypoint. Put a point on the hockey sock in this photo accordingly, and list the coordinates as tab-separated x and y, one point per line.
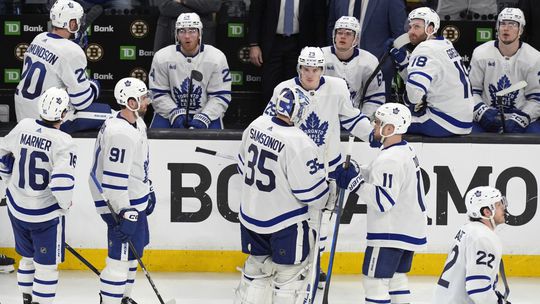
113	281
131	278
25	275
45	283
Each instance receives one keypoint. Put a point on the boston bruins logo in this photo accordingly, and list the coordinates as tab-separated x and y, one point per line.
94	52
139	28
139	73
451	33
243	54
20	49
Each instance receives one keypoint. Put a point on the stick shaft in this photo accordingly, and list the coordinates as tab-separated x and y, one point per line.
82	259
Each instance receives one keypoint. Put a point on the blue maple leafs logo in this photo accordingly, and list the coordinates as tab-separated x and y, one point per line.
509	100
314	129
181	95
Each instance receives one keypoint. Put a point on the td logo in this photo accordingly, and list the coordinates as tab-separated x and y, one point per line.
128	52
235	30
237	77
484	34
12	75
12	28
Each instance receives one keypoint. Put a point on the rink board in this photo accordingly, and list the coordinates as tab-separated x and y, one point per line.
195	225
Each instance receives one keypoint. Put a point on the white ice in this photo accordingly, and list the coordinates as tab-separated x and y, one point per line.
81	287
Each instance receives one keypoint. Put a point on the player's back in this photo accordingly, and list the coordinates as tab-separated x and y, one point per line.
279	168
44	63
471	267
449	91
42	154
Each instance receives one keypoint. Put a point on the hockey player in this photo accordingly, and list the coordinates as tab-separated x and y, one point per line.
470	271
280	184
40	160
53	60
121	166
438	89
345	60
396	214
498	64
170	79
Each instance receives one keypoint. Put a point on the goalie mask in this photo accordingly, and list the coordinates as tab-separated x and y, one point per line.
293	104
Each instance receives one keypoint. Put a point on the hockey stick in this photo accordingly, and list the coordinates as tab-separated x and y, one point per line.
338	210
195	75
82	259
400	42
131	247
505	282
515	87
215	153
314	265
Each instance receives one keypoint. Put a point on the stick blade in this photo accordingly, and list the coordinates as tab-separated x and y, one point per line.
515	87
401	41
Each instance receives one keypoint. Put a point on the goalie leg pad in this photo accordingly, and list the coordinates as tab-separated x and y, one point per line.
25	275
45	283
399	289
113	281
291	283
255	283
376	290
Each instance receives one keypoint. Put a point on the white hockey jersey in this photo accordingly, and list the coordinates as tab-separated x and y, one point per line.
40	187
437	75
356	72
492	72
394	193
52	61
281	178
169	81
331	108
470	271
121	165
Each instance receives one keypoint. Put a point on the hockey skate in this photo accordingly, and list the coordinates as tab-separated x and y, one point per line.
27	298
322	280
6	264
128	300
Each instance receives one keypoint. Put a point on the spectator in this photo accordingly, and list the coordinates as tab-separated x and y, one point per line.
498	64
531	10
437	85
169	10
110	4
191	81
467	9
379	20
278	30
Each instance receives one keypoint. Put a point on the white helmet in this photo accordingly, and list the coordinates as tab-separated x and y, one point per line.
480	197
514	14
127	88
293	103
429	16
312	57
189	20
63	11
394	114
347	22
53	103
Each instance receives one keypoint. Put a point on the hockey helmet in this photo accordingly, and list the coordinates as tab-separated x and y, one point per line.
127	88
480	197
63	11
293	103
312	57
53	103
347	22
394	114
189	20
513	14
429	16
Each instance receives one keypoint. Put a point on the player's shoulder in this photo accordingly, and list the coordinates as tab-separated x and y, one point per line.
334	81
480	234
366	56
430	45
214	51
530	52
485	49
164	53
327	50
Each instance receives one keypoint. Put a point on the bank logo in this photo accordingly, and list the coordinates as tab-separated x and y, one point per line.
237	77
243	54
235	30
139	73
94	52
12	75
12	28
139	28
19	51
484	34
128	52
451	33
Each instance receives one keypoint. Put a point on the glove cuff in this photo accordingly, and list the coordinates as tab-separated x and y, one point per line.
130	214
478	113
204	118
175	113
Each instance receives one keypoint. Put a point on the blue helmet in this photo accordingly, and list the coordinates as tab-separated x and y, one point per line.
293	104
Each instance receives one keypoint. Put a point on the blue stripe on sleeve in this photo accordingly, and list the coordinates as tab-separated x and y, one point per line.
62	188
115	174
421	86
316	197
479	290
477	277
113	187
309	189
63	176
79	94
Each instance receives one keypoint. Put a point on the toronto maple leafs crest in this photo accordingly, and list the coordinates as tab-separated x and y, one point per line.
181	95
509	100
315	129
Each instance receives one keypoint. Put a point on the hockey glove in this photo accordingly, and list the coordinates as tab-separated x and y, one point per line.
516	121
332	195
151	200
178	118
81	38
128	224
96	86
489	118
350	178
200	121
372	141
400	56
500	298
7	160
